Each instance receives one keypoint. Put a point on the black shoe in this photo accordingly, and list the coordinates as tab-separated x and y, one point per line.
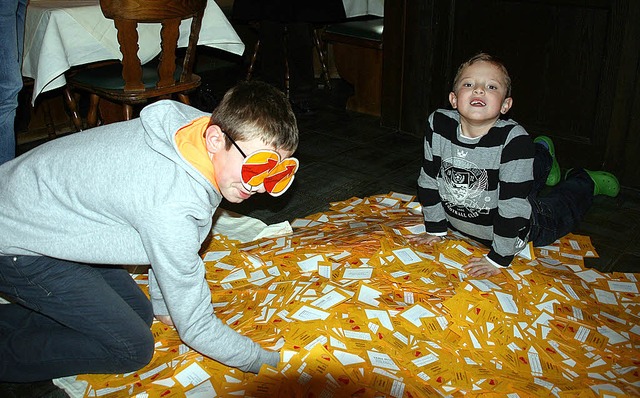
302	108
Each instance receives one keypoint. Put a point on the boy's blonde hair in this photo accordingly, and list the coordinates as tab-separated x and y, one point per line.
254	109
486	58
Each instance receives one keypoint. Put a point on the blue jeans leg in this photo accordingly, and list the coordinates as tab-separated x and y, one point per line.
12	14
559	212
69	318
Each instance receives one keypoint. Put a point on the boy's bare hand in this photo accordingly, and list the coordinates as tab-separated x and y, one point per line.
480	267
425	239
166	319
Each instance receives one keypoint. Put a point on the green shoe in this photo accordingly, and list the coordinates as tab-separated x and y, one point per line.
554	174
604	183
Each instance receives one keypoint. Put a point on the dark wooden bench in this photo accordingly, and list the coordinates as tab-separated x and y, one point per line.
357	50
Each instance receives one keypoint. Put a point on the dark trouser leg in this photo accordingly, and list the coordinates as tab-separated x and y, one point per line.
542	163
70	318
559	212
300	58
272	53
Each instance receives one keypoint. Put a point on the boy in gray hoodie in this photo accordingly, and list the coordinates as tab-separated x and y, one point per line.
144	191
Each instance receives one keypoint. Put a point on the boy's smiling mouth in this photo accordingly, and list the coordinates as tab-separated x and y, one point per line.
477	102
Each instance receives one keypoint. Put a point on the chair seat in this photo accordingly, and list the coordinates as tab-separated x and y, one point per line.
107	82
365	33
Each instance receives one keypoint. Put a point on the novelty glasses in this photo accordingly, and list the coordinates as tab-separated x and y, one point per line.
264	168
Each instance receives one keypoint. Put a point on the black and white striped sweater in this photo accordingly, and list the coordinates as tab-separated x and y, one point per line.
478	186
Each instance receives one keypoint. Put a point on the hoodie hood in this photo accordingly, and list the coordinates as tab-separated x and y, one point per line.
161	121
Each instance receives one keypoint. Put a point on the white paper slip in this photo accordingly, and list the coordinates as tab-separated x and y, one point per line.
381	360
192	375
204	390
416	229
273	230
447	261
605	297
346	358
328	300
217	255
507	303
589	275
234	276
310	264
624	287
306	313
407	256
358	273
381	315
484	285
414	313
368	295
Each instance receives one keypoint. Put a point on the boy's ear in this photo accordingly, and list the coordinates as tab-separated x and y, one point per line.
214	139
506	105
453	100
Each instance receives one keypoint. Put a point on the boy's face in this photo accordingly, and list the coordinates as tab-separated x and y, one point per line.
227	163
481	93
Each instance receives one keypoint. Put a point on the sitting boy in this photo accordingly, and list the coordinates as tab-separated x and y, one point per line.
138	192
481	175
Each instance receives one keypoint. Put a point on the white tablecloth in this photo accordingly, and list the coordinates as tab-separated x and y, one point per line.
356	8
60	34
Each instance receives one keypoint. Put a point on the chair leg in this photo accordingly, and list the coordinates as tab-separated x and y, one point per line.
73	108
92	116
48	120
184	98
321	57
253	60
127	111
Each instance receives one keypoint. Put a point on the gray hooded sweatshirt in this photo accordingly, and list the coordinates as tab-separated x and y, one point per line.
123	194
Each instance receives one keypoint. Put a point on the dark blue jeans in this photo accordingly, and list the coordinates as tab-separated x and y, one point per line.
558	211
69	318
12	14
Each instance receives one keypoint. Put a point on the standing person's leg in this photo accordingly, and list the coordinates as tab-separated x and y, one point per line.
70	318
559	212
12	14
300	58
272	53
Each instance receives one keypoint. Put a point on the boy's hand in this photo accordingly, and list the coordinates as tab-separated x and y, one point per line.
425	239
166	319
480	267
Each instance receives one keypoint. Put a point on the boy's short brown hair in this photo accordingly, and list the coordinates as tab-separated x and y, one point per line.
254	109
486	58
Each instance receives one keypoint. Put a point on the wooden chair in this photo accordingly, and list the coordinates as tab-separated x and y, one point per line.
128	82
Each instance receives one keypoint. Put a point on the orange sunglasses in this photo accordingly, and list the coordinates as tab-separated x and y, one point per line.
264	168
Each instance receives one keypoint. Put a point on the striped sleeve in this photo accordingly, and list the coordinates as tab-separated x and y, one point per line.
434	216
511	223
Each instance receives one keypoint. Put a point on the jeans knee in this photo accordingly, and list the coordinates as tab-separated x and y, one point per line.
132	352
135	353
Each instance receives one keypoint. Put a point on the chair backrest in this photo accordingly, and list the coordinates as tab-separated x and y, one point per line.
126	15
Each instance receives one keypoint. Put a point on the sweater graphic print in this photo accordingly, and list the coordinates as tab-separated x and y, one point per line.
464	184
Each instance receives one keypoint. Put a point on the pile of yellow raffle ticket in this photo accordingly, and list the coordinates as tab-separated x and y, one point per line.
358	311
